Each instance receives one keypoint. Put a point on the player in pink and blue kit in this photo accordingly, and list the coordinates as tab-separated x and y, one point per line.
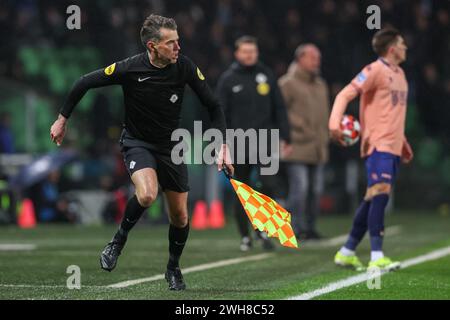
383	89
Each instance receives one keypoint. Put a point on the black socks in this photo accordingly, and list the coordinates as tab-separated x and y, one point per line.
177	236
133	212
177	240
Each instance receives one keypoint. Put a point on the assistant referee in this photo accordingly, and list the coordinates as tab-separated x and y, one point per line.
153	84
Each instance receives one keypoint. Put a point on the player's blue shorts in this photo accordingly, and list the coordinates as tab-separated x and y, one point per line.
381	167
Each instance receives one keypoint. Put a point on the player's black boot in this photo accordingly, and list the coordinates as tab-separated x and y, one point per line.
109	255
175	279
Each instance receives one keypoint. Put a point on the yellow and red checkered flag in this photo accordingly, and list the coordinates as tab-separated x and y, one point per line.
265	213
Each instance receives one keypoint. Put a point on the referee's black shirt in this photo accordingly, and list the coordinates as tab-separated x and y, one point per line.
152	96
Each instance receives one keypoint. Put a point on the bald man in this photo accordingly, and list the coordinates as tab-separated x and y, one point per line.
306	97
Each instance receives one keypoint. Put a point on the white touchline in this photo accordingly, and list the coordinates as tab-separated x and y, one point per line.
44	286
16	247
433	255
200	267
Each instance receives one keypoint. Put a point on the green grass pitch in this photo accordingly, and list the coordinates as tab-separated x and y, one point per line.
41	273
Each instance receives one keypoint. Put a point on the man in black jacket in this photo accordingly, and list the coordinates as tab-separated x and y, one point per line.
249	94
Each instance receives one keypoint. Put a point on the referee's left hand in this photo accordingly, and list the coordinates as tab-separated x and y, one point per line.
224	159
229	167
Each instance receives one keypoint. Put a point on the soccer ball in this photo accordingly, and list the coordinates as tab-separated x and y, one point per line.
350	129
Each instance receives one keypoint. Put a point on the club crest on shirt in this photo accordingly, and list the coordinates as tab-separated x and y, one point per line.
110	69
263	88
200	74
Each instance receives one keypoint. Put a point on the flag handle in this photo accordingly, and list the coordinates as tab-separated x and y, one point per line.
226	172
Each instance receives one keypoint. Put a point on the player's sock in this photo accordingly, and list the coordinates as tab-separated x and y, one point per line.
376	221
359	226
133	212
242	222
347	252
375	255
177	240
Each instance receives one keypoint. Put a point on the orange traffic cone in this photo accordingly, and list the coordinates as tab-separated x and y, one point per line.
216	216
200	216
27	218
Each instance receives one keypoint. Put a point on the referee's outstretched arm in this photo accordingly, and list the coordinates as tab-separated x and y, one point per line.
99	78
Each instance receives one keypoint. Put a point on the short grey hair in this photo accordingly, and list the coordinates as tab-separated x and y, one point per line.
151	28
301	49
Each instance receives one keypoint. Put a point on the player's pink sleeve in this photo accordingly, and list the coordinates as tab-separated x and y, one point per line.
340	105
365	80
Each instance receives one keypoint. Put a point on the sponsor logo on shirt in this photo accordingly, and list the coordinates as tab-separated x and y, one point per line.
173	98
398	97
143	79
261	78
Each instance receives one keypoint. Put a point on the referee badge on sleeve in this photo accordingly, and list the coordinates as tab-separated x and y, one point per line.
110	69
200	74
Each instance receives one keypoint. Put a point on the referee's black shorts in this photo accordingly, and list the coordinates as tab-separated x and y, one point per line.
171	176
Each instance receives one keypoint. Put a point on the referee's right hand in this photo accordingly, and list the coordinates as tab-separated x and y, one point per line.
58	130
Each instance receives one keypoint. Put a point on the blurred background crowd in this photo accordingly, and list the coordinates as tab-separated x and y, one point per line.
40	59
